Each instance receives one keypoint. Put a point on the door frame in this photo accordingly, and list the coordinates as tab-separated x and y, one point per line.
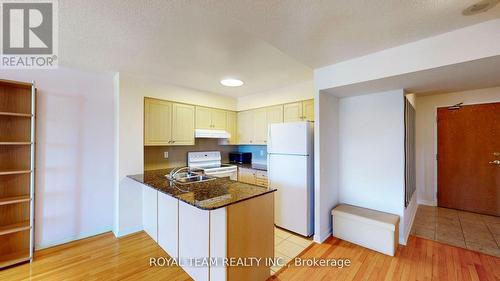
435	137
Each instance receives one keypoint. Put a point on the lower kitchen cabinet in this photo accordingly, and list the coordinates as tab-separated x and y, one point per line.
168	220
150	211
252	176
194	238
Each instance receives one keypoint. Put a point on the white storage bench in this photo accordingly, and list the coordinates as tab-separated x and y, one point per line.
372	229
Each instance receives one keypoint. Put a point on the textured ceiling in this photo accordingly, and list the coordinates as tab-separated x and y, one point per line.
268	44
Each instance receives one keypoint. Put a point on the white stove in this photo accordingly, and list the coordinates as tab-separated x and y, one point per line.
210	161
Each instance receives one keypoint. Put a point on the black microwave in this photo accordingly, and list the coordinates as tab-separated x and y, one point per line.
240	157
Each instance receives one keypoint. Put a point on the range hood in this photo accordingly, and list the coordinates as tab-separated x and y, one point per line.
211	134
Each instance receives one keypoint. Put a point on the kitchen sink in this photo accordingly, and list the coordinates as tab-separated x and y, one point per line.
190	177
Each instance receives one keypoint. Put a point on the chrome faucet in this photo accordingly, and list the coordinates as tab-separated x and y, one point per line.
175	171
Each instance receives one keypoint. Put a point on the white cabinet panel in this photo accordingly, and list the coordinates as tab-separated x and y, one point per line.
168	223
150	211
218	239
194	238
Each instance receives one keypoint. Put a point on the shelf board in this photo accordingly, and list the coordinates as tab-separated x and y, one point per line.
15	227
14	172
15	142
14	200
14	114
13	258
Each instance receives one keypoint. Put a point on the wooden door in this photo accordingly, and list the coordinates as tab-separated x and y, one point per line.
292	112
468	145
157	122
308	110
182	124
203	117
260	126
218	119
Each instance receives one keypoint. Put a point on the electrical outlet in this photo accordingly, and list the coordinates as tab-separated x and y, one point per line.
165	154
262	153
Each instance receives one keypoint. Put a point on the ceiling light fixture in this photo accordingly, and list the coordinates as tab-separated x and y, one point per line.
480	7
231	82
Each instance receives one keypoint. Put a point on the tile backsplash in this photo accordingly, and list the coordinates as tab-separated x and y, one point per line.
259	152
177	155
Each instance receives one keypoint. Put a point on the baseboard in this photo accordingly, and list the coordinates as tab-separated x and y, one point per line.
323	237
127	231
427	202
71	239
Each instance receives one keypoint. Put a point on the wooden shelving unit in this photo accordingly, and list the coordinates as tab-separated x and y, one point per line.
17	166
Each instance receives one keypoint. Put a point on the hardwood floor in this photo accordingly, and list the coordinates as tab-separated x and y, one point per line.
421	259
104	257
101	257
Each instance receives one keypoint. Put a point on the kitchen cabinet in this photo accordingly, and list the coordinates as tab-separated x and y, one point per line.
275	114
245	127
150	211
259	126
157	122
231	124
182	124
168	123
299	111
308	110
292	112
168	224
194	227
252	176
210	118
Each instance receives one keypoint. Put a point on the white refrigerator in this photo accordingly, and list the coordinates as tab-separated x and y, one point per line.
290	171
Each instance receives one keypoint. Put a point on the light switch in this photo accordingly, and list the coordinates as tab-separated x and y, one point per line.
262	153
165	154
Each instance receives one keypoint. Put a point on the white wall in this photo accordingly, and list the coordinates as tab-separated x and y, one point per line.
326	156
292	93
133	89
426	134
75	153
371	152
461	45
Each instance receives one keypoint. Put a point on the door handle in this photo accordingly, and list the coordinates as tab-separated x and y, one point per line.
495	162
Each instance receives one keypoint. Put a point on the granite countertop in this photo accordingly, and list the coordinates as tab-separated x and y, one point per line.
255	166
208	195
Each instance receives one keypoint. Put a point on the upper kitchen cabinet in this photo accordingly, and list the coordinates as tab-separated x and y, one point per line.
299	111
157	122
231	123
168	123
245	127
308	110
210	118
275	114
259	126
183	124
292	112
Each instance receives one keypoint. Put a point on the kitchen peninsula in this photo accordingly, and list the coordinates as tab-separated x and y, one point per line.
216	219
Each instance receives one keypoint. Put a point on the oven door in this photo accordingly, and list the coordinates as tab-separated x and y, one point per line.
221	173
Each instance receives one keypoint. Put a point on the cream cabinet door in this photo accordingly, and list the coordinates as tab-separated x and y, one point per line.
218	119
157	122
308	110
245	127
292	112
275	114
203	117
260	126
231	126
182	124
246	175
